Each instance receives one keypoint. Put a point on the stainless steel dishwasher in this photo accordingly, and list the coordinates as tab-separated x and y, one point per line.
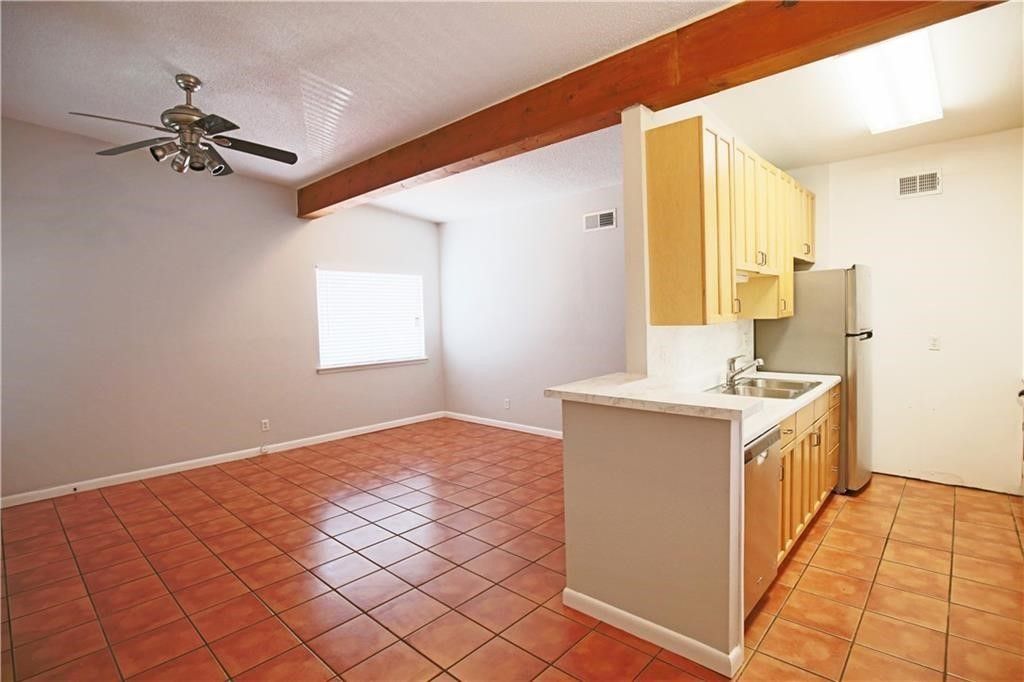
761	471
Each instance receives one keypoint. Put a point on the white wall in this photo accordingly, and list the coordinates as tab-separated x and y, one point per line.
530	301
151	318
949	266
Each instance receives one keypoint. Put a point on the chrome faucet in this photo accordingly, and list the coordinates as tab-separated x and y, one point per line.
734	371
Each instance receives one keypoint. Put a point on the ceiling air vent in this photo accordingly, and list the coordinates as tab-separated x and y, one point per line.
921	184
602	220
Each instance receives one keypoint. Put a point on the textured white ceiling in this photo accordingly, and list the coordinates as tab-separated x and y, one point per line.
334	82
798	118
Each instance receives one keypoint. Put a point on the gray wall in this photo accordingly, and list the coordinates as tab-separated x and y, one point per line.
151	318
531	301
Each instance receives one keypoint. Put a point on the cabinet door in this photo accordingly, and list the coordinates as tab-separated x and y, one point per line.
798	500
720	272
745	224
768	225
786	525
803	232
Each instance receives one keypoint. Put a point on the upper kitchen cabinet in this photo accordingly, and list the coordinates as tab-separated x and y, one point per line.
690	224
755	239
803	225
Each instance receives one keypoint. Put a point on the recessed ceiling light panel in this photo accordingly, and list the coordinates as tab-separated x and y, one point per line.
894	82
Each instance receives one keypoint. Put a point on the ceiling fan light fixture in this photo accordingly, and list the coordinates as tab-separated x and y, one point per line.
198	161
180	162
215	162
160	152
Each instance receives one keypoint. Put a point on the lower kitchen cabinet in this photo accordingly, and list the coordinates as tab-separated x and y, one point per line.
809	468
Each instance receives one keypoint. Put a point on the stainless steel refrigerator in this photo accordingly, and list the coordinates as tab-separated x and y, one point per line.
830	333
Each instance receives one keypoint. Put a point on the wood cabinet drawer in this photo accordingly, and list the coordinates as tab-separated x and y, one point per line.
834	395
820	407
804	419
788	429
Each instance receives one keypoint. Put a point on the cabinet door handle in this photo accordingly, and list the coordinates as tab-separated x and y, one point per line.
783	304
739	305
815	439
807	248
787	431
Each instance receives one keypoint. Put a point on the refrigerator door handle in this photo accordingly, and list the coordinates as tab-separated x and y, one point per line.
861	335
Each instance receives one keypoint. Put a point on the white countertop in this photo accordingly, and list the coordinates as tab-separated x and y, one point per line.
659	395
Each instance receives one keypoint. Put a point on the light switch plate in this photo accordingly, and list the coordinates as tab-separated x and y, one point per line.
934	343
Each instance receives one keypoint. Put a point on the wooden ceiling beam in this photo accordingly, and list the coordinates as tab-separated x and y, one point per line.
739	44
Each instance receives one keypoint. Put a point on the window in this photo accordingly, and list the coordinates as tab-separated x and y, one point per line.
369	318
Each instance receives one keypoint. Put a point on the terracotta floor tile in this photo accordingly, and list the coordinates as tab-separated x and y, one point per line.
918	535
318	615
806	648
455	587
545	634
296	664
847	563
292	591
344	570
913	579
535	583
248	554
628	638
230	616
374	589
1008	576
351	643
910	642
420	568
498	659
822	614
112	576
140	618
239	537
160	543
659	671
598	657
41	598
318	553
49	652
253	645
868	665
390	551
402	522
205	595
984	597
449	638
398	662
497	608
195	666
431	534
128	595
841	588
774	597
909	607
152	648
51	621
269	571
1000	520
408	612
935	560
531	546
108	556
984	549
496	564
186	575
364	537
756	625
986	628
460	548
43	575
178	555
763	668
96	667
973	661
858	543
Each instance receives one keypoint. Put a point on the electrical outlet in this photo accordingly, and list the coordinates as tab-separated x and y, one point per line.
934	343
508	403
264	425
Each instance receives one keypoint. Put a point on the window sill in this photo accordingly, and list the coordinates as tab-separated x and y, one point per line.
370	365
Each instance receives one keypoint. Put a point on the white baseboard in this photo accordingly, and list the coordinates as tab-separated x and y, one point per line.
511	426
104	481
726	664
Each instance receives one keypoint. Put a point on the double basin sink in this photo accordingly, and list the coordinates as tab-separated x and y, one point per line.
766	388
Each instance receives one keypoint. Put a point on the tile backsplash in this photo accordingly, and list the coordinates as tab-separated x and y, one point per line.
696	356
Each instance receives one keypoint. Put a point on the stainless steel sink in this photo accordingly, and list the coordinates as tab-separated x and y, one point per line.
767	388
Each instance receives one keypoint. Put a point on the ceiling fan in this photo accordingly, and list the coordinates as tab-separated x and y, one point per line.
196	137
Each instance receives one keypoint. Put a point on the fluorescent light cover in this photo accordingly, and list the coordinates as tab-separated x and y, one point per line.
894	82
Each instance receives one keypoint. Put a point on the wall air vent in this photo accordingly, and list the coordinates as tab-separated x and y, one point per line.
921	184
602	220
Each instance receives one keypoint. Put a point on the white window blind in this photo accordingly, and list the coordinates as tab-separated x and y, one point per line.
368	318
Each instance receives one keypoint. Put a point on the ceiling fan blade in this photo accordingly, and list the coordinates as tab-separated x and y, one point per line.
113	151
121	120
214	124
257	149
